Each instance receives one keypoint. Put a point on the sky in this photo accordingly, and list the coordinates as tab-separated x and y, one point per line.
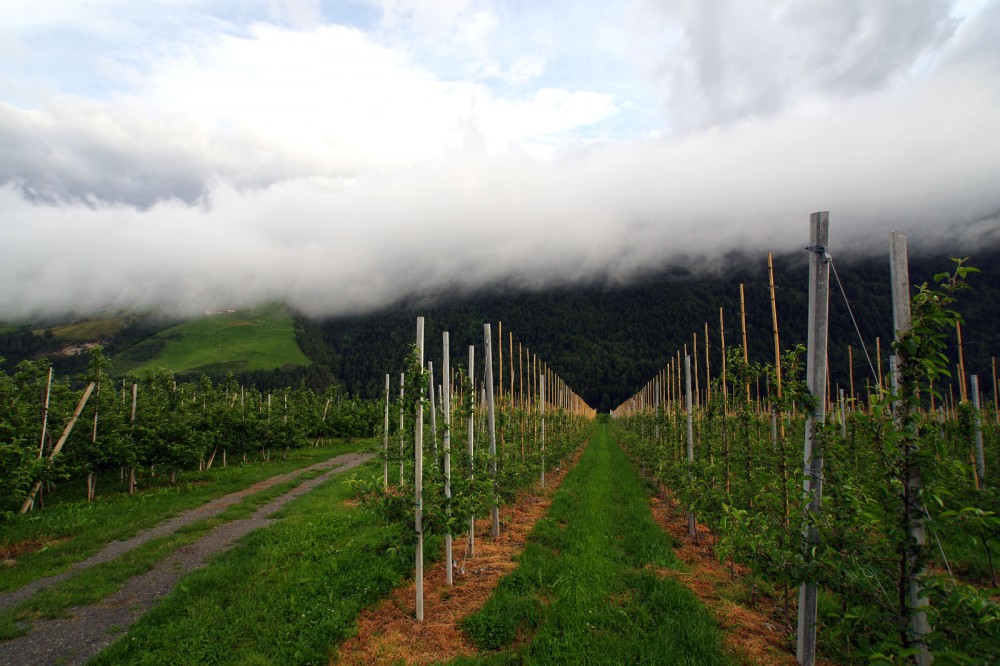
187	155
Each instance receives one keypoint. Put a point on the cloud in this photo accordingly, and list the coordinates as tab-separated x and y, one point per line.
725	60
471	220
333	168
274	104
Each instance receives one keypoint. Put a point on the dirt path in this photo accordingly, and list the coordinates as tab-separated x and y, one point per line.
90	629
208	510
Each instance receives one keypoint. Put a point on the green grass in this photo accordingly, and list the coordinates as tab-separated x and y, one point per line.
97	582
285	595
586	590
259	339
73	530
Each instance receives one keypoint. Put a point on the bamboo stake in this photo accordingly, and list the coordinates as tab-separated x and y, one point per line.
694	354
59	444
774	322
850	370
962	388
45	414
722	348
878	355
708	370
746	349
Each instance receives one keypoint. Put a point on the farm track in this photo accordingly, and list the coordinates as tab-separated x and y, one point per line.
90	629
210	509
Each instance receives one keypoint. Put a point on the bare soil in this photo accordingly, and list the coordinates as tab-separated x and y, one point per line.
389	633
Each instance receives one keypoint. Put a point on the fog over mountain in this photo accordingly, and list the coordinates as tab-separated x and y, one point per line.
344	156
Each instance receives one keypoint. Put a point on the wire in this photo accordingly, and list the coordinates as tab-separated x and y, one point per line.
854	321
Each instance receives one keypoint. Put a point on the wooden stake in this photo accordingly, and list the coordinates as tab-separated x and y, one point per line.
774	323
45	414
850	370
962	388
746	352
708	370
59	444
722	348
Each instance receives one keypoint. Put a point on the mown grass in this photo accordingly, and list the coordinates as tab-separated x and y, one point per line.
68	530
259	339
97	582
285	595
586	590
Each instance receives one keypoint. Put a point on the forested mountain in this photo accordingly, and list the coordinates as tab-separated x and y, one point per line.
607	341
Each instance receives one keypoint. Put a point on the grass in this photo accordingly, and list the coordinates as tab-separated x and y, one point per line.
586	589
259	339
71	530
287	594
97	582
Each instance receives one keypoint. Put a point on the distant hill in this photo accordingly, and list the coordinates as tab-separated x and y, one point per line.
231	341
605	341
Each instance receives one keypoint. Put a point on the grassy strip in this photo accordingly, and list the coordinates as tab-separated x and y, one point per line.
72	531
97	582
586	589
287	594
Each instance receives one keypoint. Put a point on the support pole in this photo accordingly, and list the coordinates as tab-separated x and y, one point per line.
692	529
978	430
491	425
913	508
472	439
418	479
385	438
812	484
446	445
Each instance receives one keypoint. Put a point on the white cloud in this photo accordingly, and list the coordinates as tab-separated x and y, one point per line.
465	143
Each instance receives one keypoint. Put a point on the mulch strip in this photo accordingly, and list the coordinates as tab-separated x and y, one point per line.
389	633
755	633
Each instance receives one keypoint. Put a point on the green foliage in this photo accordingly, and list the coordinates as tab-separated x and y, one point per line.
865	557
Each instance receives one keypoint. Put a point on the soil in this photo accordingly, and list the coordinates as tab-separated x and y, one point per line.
389	631
90	629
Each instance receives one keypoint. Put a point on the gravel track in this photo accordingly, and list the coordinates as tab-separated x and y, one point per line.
208	510
90	629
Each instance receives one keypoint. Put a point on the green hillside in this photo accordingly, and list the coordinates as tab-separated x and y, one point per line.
259	339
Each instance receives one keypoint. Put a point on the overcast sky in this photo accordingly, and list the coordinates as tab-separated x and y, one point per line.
194	154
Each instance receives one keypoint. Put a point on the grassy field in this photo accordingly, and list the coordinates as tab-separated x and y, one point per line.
284	595
587	589
68	530
259	339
